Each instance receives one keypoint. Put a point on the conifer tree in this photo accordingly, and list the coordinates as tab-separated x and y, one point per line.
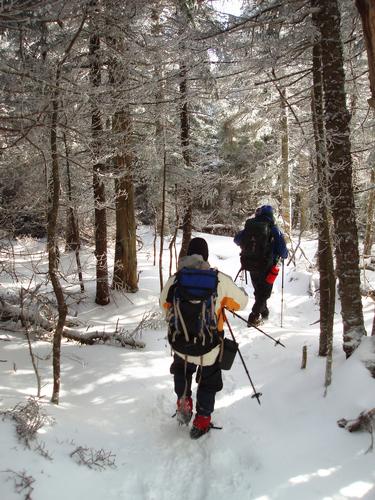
340	180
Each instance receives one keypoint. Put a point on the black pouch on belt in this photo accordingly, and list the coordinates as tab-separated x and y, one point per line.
229	353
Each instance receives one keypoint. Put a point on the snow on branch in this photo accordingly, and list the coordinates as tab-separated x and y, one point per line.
29	419
32	315
22	483
122	337
94	459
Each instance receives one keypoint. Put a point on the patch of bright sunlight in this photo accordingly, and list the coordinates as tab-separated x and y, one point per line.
97	401
304	478
20	371
165	385
263	497
15	347
83	390
235	396
233	7
125	401
356	490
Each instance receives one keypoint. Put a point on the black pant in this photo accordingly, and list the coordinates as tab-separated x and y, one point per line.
209	378
262	291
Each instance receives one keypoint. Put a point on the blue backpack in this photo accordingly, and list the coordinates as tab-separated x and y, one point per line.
192	322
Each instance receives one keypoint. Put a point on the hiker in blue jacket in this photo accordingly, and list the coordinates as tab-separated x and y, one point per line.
263	271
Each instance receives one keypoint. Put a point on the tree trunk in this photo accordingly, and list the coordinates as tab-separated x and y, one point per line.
185	143
162	220
125	263
340	184
52	245
100	216
72	241
53	208
367	245
172	243
305	196
366	9
72	228
155	238
325	255
296	216
186	229
160	145
125	268
284	173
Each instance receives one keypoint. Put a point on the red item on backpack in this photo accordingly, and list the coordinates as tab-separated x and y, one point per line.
272	275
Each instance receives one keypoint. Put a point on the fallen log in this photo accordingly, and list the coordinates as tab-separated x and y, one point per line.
90	338
32	314
364	422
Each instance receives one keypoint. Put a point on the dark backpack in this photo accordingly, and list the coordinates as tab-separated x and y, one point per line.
256	245
192	322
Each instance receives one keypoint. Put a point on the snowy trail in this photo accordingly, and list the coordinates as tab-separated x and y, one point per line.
121	400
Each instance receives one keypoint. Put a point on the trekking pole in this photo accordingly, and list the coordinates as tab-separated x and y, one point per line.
256	394
277	342
282	294
237	274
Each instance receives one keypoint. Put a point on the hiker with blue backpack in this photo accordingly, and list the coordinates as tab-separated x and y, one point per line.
194	300
262	245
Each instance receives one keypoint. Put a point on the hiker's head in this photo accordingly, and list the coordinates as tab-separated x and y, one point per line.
265	210
198	246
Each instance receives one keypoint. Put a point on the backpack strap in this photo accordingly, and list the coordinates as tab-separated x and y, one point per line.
199	374
221	352
203	318
179	316
185	374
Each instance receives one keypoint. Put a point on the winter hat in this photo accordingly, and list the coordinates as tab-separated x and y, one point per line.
265	210
198	246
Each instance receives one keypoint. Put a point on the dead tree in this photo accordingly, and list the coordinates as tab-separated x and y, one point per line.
53	208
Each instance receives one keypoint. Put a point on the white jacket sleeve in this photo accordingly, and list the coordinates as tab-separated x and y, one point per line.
227	289
164	293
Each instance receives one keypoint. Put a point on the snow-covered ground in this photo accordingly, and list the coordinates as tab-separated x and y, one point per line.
119	401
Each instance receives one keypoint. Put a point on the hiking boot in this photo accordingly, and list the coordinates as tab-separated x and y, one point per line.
253	320
201	425
184	410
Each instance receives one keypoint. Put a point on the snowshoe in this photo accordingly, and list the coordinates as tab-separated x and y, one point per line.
201	425
184	410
